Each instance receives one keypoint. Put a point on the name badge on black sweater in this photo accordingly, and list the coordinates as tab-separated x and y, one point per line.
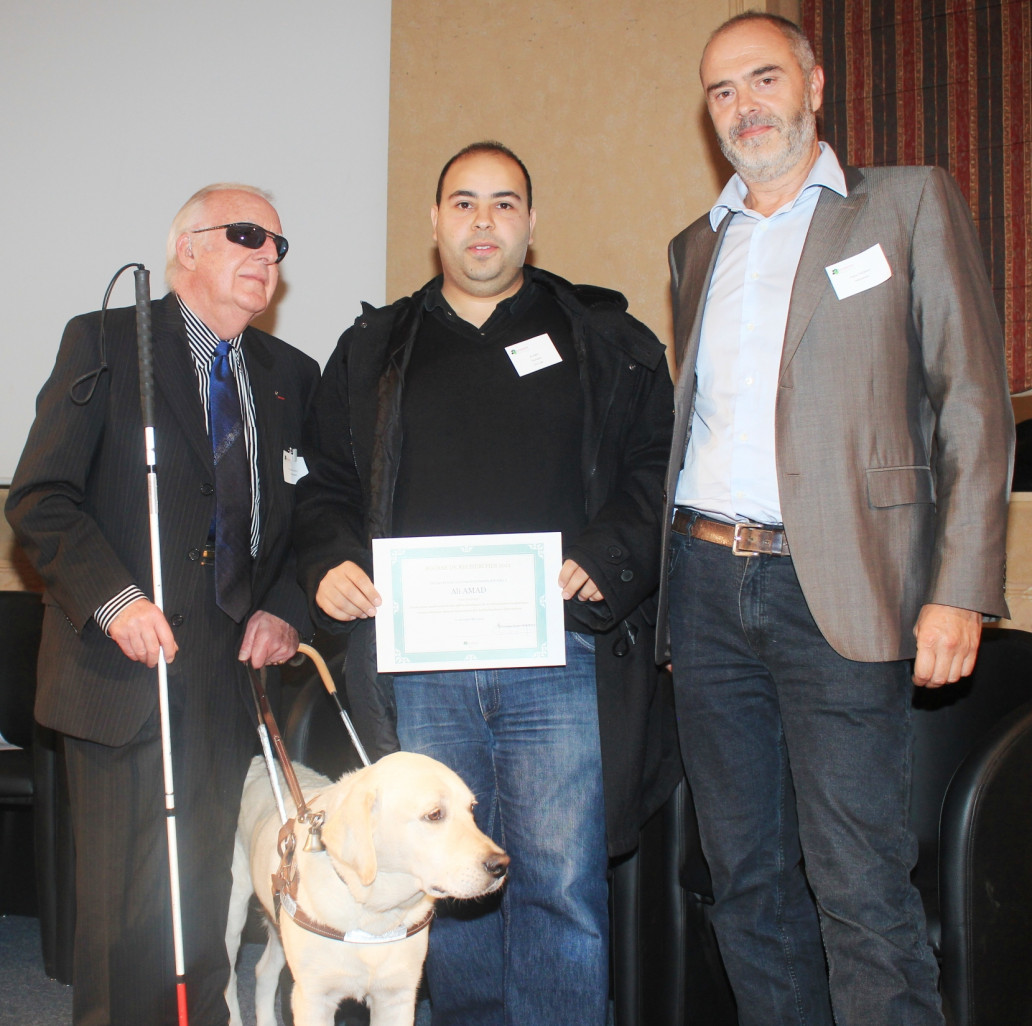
533	355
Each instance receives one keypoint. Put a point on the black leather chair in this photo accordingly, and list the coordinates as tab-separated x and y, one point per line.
36	853
972	811
666	964
21	616
55	855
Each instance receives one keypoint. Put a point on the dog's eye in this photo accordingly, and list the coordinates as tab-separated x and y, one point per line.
434	815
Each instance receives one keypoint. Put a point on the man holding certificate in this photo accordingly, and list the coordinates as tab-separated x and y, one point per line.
500	438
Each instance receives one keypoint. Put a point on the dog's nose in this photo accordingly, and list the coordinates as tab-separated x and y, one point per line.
497	865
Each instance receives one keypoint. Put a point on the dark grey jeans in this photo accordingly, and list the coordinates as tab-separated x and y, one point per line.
799	763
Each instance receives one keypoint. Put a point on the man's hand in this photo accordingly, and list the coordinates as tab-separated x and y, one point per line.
141	632
268	640
947	644
574	580
347	593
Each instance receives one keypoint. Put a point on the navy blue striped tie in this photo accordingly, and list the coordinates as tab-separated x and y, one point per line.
232	490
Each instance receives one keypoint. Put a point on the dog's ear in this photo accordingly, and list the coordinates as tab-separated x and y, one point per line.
348	835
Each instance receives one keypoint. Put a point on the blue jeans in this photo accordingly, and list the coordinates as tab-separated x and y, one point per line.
799	763
526	742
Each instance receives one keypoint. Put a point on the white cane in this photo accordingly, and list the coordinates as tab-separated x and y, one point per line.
146	360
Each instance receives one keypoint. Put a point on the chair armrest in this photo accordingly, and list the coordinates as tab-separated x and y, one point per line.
985	877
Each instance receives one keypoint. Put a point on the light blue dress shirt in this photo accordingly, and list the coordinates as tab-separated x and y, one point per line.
730	468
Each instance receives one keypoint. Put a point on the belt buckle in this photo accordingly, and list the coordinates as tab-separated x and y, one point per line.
739	547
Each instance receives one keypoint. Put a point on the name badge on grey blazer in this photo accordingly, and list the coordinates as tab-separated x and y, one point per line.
859	273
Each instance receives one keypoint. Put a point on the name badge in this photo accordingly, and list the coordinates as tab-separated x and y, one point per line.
294	466
535	354
859	273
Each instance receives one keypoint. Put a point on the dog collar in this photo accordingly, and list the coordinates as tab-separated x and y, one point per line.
306	922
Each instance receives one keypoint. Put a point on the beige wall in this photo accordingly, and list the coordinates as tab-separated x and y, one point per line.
1019	562
16	574
600	98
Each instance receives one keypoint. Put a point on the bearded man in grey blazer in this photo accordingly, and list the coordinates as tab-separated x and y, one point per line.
835	527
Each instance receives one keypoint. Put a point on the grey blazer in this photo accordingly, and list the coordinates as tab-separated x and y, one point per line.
894	430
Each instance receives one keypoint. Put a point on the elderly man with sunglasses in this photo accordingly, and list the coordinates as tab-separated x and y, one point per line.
229	403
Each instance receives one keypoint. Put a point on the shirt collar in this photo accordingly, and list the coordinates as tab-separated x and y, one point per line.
203	341
826	173
434	298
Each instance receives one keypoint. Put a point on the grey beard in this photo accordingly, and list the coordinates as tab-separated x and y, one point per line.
797	139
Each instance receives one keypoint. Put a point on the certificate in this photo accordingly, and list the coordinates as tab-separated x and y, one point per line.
478	601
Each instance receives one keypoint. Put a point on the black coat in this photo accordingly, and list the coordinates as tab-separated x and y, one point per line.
353	446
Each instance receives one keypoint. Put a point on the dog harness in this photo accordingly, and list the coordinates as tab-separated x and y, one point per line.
284	893
286	878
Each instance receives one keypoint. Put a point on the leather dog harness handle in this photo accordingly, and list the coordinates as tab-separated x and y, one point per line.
277	743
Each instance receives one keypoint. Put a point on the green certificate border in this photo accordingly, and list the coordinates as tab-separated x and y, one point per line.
390	556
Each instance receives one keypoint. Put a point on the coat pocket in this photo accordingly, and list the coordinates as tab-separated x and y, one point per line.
899	486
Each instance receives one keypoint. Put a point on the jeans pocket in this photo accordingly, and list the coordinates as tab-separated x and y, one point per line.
585	641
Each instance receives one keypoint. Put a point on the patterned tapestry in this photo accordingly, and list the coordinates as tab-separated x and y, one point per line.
945	82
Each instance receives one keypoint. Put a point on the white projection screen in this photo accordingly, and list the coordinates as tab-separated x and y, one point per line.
115	112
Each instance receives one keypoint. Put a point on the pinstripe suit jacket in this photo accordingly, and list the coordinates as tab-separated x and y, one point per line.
78	504
893	425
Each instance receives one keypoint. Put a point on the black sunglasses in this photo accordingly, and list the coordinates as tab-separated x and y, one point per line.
251	236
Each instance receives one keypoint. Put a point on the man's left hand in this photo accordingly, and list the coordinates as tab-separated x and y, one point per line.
947	644
574	580
268	641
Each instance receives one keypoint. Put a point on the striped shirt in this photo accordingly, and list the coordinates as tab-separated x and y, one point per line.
203	342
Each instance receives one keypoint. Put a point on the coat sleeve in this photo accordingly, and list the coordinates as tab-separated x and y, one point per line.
46	505
620	546
329	519
966	382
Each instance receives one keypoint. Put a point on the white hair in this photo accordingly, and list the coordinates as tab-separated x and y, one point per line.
189	216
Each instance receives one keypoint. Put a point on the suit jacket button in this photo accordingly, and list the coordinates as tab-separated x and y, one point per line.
194	554
615	552
177	620
627	575
207	488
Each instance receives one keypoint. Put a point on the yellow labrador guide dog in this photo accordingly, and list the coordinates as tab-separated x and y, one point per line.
397	835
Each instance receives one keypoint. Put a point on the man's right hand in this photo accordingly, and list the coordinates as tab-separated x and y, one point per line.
141	631
347	593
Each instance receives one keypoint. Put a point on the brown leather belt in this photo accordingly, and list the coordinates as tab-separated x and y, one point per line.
743	539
